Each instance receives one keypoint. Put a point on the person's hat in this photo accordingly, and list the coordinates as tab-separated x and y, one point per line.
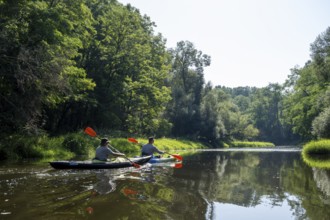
104	141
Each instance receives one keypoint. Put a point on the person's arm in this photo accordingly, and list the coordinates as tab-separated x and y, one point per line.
115	152
159	151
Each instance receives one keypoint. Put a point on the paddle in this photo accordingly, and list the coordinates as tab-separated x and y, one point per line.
178	157
178	165
92	133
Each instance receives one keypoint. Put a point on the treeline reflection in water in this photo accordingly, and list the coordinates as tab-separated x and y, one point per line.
210	185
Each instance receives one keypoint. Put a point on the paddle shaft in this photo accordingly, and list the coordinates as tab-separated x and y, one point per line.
114	149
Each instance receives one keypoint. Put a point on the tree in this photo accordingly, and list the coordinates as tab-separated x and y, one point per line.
187	80
321	124
39	43
222	120
306	99
320	53
266	111
212	128
129	65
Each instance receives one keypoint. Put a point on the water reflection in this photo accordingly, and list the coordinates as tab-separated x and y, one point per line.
104	184
236	212
322	179
107	179
255	181
209	185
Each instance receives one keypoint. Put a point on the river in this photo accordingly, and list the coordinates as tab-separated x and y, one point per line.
211	184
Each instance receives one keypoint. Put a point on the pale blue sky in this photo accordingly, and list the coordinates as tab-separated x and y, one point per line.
251	42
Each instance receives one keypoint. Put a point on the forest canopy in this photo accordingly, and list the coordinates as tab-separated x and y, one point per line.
66	64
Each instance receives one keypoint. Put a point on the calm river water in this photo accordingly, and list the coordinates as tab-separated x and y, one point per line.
223	184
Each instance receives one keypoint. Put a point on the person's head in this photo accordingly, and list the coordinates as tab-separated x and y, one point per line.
151	140
104	141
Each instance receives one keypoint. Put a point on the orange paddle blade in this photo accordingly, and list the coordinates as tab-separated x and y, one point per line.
177	156
128	191
178	165
90	132
132	140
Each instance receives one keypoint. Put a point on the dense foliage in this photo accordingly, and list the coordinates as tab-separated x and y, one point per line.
68	64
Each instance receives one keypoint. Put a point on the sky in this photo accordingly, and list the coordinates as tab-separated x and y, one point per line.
251	42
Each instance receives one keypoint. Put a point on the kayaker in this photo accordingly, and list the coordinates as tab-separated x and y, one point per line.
103	151
150	149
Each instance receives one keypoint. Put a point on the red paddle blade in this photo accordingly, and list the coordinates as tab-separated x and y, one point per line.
178	165
90	132
128	191
132	140
177	156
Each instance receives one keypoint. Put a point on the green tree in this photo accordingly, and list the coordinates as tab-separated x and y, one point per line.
266	112
321	124
129	65
212	127
221	119
308	86
39	43
186	81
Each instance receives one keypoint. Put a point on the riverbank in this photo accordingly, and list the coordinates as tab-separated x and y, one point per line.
317	153
79	144
68	146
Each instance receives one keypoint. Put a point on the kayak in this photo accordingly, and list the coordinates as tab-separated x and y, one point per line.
162	159
98	165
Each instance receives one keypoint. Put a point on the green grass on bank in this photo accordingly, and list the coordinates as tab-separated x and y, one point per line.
27	147
73	145
317	147
317	153
168	144
69	146
245	144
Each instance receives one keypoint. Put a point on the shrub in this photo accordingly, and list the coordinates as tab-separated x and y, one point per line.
243	144
78	144
122	145
321	124
317	154
317	147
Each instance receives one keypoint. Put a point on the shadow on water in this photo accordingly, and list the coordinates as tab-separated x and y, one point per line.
222	184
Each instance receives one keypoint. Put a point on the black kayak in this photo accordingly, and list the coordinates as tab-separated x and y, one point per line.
98	165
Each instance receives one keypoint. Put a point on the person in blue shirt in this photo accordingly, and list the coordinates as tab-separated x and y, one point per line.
150	149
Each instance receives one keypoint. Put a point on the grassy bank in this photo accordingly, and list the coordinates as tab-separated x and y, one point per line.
37	147
168	144
245	144
317	154
78	144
